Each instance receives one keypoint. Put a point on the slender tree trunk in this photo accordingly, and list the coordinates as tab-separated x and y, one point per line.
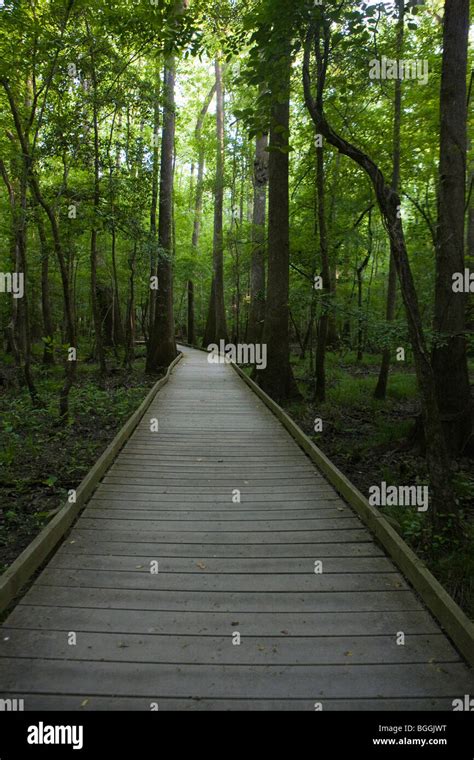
130	322
360	279
198	207
320	384
48	328
333	333
99	341
277	378
162	344
381	387
257	272
117	325
216	327
191	332
449	357
12	329
154	202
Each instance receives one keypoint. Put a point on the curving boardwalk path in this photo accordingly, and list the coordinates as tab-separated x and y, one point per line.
224	568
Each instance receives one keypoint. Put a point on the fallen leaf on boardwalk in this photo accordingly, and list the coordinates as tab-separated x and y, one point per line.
285	633
84	703
235	622
121	645
348	654
201	565
261	648
138	567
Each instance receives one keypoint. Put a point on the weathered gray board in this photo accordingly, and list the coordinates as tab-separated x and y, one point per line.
225	566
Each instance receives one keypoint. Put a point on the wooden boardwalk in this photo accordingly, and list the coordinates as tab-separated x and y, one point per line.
144	638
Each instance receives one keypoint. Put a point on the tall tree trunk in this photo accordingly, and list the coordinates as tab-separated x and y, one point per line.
191	334
130	321
98	334
154	202
162	344
257	272
333	333
320	384
277	378
24	301
449	358
48	328
442	498
216	327
360	280
117	325
12	330
381	387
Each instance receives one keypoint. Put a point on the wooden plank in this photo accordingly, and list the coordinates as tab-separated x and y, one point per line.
95	543
97	528
206	484
222	582
171	496
133	599
220	623
156	510
212	650
154	521
234	681
65	558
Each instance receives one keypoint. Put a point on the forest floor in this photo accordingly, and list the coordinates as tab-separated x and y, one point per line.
40	459
368	441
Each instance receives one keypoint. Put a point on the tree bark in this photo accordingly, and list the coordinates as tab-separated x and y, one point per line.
320	378
360	279
257	271
449	355
130	321
48	328
216	327
99	341
382	383
154	203
162	344
277	378
198	207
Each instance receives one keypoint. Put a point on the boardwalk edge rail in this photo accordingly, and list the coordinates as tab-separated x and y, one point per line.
450	616
21	570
